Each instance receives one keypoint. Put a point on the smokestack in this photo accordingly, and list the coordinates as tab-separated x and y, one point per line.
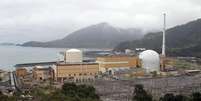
164	28
65	57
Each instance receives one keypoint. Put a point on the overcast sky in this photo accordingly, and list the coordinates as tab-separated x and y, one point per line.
43	20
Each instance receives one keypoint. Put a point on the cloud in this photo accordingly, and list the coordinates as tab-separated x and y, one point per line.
43	20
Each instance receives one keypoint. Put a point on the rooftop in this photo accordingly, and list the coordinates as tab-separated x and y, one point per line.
73	50
79	63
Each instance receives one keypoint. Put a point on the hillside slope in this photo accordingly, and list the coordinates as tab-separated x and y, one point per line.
182	40
101	35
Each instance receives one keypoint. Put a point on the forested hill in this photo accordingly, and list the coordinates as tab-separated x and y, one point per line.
182	40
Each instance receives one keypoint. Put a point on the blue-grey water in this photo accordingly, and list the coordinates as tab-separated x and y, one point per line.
11	55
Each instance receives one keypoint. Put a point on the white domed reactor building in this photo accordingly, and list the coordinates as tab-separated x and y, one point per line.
150	60
73	56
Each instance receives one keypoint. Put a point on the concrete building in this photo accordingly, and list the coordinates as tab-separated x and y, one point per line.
74	69
42	73
107	63
150	61
21	72
73	55
3	74
76	72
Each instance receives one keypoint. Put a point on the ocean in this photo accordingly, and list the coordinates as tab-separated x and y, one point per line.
11	55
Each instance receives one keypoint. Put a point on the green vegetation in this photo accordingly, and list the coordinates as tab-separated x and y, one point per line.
196	97
73	92
140	94
80	92
182	64
69	92
183	40
172	97
154	73
7	98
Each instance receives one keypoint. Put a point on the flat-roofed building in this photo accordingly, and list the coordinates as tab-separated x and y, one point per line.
76	72
21	72
43	73
117	61
3	75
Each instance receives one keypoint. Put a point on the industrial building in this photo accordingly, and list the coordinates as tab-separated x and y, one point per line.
42	73
21	72
74	69
79	72
3	74
108	63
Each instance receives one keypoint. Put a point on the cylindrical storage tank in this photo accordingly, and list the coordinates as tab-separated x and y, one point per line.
73	56
150	60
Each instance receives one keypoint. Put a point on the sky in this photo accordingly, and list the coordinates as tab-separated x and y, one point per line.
45	20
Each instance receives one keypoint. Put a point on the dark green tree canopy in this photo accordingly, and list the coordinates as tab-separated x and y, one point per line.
140	94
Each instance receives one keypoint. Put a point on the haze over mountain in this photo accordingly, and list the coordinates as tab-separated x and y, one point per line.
101	35
46	20
182	40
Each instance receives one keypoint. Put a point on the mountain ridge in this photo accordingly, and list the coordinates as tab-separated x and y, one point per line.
181	40
101	35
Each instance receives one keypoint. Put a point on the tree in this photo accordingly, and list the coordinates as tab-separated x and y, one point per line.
154	73
196	96
6	98
69	89
181	98
172	97
80	92
168	97
140	94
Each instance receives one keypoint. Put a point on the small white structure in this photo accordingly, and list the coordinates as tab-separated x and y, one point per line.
112	71
73	56
128	51
150	61
39	67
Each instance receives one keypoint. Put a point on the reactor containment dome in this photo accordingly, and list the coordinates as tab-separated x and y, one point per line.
150	60
73	56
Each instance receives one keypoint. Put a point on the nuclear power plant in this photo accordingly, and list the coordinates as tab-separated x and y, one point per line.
130	64
111	71
133	63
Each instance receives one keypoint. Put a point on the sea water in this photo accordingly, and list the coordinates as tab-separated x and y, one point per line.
11	55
